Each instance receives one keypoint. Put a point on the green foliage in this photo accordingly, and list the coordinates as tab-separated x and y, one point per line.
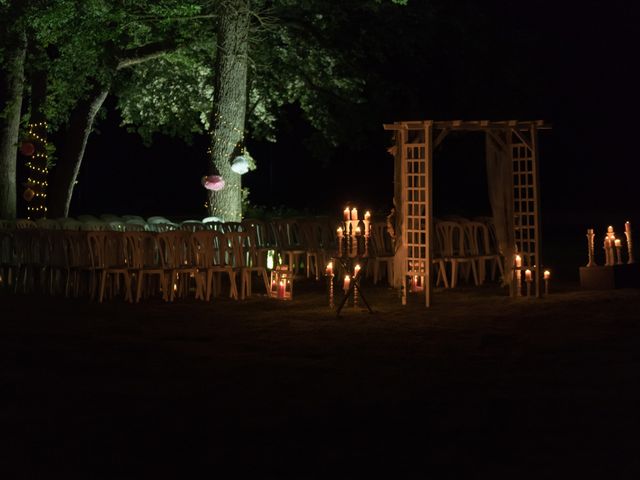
172	95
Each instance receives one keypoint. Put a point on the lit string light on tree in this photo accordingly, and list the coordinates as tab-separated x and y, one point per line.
37	163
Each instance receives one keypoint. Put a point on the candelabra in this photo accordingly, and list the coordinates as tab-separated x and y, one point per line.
352	241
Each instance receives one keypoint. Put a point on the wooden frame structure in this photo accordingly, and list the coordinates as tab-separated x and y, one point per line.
415	142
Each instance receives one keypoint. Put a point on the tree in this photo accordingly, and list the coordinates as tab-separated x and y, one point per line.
267	54
13	39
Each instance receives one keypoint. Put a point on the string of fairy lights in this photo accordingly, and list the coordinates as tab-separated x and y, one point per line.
37	163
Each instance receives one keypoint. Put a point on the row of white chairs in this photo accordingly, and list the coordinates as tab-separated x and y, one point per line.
117	223
102	264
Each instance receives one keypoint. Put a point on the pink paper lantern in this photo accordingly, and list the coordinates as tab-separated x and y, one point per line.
213	182
27	149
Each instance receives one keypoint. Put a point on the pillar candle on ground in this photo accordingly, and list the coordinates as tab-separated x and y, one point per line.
347	283
547	277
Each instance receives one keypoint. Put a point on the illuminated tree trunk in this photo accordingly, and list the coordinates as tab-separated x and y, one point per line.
63	176
229	106
11	90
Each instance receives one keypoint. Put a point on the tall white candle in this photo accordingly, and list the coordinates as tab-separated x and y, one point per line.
347	282
346	213
518	261
547	277
354	213
356	270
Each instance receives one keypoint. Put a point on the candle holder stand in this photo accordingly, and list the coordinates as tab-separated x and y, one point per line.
354	291
590	237
627	233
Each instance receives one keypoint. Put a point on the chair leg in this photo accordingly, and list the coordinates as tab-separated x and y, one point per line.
265	279
454	273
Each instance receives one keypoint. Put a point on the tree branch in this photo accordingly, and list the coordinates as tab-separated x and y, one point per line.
145	53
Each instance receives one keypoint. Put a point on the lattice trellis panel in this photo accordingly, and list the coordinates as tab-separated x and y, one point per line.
525	201
416	176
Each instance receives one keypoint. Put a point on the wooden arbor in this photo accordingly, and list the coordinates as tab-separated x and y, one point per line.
512	168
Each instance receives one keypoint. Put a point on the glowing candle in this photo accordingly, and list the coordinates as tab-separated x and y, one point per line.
339	231
518	261
358	231
367	216
547	277
618	245
528	279
356	271
347	282
329	270
354	213
281	289
346	213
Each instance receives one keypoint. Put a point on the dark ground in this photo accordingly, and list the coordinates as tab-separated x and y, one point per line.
479	386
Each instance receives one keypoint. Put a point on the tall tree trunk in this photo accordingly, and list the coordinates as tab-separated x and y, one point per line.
63	176
11	90
229	106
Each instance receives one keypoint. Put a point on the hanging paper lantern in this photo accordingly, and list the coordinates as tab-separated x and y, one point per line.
27	149
240	165
28	194
213	182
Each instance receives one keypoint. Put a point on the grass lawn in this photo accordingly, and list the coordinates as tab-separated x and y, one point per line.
479	386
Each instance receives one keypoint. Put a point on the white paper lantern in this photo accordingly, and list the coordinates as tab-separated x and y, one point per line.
240	165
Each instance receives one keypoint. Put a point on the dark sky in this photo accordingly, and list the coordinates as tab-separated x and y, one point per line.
573	66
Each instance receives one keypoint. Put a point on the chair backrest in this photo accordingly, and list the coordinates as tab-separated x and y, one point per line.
380	241
110	217
192	225
175	248
57	255
231	227
137	218
245	252
23	223
88	218
311	234
76	246
287	233
28	246
95	225
450	239
107	249
328	232
135	226
47	224
69	224
142	250
116	226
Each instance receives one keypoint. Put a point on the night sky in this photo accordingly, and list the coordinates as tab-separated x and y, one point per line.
571	66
